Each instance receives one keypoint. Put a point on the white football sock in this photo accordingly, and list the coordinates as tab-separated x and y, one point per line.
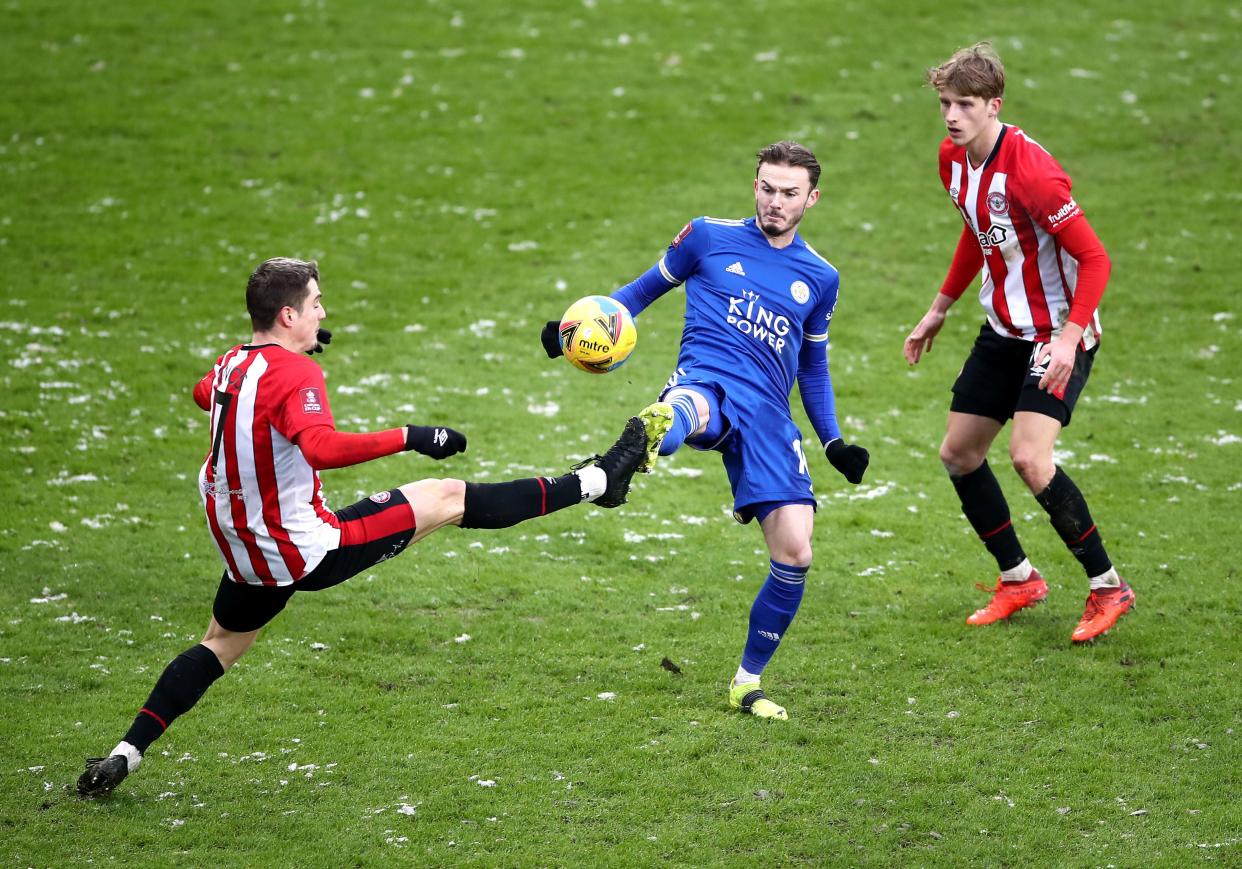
1109	579
133	756
742	677
1021	573
593	481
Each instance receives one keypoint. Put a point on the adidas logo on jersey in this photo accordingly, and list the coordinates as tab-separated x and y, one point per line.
736	269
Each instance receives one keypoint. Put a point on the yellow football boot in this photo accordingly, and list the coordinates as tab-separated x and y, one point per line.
749	698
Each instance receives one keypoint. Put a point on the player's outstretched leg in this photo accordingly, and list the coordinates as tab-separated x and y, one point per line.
604	480
684	412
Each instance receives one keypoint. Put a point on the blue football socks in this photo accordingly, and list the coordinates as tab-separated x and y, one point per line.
771	613
685	422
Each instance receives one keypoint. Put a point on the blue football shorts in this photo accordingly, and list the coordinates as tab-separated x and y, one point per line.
761	449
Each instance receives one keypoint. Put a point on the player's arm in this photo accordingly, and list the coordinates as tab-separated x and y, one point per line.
324	447
305	419
1094	267
966	264
820	403
677	264
639	293
1080	241
1047	197
202	390
815	386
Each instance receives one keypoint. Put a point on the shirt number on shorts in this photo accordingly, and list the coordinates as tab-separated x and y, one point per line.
797	448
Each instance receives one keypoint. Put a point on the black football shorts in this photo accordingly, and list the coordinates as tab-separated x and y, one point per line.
373	530
1001	377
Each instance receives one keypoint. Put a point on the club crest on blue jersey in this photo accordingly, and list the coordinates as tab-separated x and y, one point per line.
800	292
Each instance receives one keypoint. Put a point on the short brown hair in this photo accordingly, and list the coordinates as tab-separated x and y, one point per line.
788	153
278	283
972	72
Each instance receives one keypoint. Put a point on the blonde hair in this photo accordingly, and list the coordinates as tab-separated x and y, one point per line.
976	71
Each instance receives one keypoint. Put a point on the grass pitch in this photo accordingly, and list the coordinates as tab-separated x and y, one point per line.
462	172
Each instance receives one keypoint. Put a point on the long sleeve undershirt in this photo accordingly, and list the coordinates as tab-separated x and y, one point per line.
815	384
324	447
1094	267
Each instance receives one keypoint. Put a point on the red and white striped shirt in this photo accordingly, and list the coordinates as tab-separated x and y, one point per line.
1015	204
263	500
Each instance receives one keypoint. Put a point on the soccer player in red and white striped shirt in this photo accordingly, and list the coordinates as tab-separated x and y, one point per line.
1044	272
272	432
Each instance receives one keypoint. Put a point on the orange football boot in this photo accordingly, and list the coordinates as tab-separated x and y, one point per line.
1104	607
1009	598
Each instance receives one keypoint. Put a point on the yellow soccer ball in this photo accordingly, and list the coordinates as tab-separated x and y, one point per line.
597	334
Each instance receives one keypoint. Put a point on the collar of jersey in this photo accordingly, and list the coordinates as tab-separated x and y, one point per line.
992	156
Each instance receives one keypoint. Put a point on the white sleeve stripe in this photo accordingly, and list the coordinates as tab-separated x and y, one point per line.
823	337
819	256
668	276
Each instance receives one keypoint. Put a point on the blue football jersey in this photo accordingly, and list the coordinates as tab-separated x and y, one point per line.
749	306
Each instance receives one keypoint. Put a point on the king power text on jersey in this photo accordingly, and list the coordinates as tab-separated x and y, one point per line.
751	318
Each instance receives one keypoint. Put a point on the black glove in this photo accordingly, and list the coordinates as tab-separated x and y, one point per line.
434	440
551	338
323	336
850	460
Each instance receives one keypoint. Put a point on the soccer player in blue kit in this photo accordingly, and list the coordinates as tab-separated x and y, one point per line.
758	303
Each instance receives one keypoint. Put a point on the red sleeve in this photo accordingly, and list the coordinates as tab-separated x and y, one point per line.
944	159
202	390
307	401
324	447
1044	190
967	261
1080	241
